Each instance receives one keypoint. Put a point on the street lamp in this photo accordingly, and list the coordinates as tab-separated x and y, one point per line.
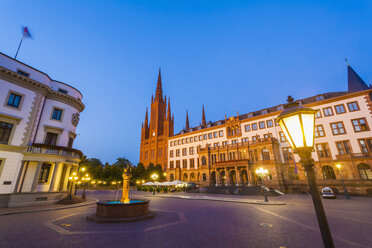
343	183
154	177
73	178
297	123
86	179
261	172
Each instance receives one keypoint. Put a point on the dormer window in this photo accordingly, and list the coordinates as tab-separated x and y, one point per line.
319	98
25	74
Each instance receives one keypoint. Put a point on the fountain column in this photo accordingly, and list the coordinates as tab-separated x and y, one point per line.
126	182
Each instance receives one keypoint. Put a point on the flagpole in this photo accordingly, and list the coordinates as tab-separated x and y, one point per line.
19	46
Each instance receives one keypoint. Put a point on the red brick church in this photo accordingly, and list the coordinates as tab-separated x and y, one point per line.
154	134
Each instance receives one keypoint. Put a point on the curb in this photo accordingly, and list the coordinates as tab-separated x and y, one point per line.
257	202
49	209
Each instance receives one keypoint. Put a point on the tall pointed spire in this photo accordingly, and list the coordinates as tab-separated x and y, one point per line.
187	120
159	89
169	109
354	81
203	118
147	117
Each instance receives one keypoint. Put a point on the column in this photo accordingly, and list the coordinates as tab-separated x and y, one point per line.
238	179
36	177
18	179
218	183
54	177
227	174
65	182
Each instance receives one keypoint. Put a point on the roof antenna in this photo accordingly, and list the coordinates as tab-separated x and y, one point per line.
347	62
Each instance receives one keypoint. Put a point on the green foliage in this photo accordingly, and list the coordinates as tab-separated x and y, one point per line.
158	189
108	173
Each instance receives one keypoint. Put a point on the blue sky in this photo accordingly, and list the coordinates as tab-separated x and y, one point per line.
228	55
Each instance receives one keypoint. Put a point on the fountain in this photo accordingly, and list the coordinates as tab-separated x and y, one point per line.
125	210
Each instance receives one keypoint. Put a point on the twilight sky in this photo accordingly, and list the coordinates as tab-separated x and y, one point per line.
228	55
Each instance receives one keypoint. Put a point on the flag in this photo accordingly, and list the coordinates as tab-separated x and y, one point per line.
26	32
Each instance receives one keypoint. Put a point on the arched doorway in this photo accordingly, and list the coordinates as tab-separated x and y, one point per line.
171	177
223	177
185	177
213	178
192	176
232	177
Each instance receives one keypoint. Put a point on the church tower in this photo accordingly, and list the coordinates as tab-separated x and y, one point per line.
154	134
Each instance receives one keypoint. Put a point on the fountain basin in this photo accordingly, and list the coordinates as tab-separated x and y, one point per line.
117	209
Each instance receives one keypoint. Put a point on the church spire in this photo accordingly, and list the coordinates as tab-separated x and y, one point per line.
147	117
159	90
169	109
187	120
203	118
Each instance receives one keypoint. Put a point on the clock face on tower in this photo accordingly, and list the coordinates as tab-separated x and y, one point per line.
153	134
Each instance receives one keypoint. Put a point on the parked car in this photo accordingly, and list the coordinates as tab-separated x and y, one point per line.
327	192
191	185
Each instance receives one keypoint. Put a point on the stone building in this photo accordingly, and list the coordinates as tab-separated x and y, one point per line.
38	120
227	152
155	133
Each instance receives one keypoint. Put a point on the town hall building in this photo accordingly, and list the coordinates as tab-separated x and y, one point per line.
228	151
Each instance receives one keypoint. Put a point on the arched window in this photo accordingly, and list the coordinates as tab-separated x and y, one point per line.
328	172
365	171
204	177
192	176
185	176
228	131
291	174
171	177
265	154
204	160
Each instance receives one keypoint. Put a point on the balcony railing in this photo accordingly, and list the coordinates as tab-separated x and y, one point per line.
353	155
54	150
236	145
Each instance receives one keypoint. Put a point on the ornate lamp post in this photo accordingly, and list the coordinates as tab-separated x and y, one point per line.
297	123
154	177
86	179
261	172
343	183
73	178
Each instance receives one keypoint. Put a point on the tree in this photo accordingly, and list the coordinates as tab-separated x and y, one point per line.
122	162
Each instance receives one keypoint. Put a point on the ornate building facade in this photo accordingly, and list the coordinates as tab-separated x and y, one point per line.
155	133
228	151
38	121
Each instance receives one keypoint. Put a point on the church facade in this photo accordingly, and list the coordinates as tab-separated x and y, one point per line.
156	131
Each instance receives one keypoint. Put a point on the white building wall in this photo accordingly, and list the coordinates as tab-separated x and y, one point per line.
10	167
22	113
64	124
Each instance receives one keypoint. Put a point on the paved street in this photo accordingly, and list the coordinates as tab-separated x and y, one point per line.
196	223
